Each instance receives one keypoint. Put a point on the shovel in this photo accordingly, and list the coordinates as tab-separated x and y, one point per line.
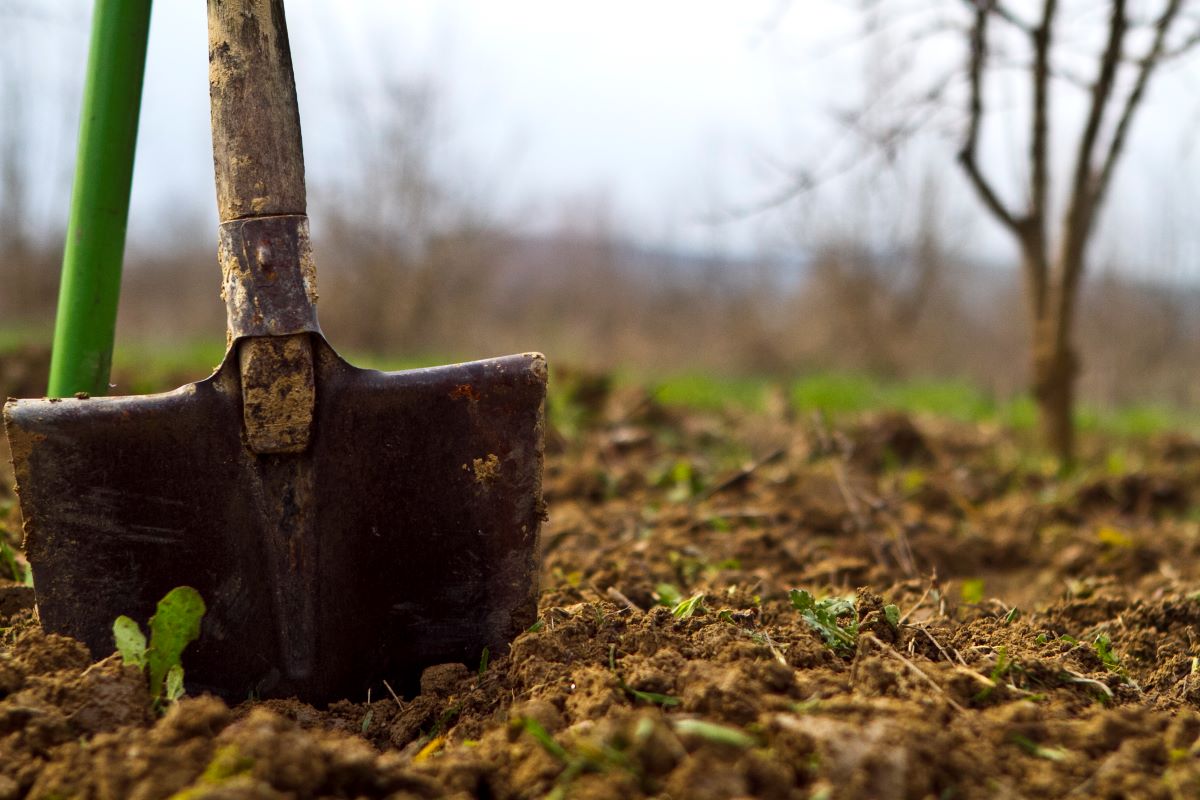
344	526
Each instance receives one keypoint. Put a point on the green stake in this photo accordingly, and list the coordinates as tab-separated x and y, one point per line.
91	272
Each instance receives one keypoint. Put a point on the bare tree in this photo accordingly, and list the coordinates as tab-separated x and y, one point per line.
1054	254
1104	51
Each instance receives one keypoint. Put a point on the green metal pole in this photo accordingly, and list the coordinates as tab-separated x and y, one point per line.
91	271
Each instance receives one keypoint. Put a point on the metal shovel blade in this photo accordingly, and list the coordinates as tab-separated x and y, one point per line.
406	535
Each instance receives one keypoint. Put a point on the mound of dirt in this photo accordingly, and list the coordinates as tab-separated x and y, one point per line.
1013	633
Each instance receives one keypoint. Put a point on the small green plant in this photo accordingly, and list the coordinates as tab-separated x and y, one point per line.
835	618
484	658
1104	650
891	613
175	625
999	673
444	720
712	732
543	737
682	480
686	608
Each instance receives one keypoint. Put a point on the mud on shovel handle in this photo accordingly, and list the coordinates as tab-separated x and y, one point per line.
257	151
268	274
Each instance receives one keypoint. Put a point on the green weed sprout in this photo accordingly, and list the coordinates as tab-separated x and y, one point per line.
175	625
835	618
1104	651
681	607
686	608
712	732
999	674
891	612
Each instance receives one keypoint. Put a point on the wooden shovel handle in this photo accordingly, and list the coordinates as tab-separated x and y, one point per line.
257	152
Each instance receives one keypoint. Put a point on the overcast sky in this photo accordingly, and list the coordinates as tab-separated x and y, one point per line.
667	111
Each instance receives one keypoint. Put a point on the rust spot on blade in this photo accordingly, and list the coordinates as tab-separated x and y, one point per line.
465	390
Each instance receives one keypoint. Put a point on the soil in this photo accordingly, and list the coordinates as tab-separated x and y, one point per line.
997	682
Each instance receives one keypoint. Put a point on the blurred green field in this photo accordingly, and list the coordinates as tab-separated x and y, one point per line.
847	394
143	367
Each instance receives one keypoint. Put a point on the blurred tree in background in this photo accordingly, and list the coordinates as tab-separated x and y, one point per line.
1094	59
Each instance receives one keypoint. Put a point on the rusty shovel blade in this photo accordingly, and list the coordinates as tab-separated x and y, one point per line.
406	534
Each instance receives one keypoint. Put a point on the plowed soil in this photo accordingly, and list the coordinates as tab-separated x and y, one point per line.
1046	644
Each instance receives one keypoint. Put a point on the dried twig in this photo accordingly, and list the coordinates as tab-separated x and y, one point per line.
904	554
920	602
1075	677
894	653
618	597
860	519
861	523
937	644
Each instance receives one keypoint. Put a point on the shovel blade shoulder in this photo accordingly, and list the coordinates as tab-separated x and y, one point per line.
406	535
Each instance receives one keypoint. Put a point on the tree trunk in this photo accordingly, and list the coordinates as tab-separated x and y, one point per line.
1055	368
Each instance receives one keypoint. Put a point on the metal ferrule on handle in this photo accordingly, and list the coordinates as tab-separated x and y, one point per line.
268	274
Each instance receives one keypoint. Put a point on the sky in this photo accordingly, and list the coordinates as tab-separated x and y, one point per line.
668	111
668	114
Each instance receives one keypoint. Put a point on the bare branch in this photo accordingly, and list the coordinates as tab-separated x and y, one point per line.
1057	72
799	183
1003	12
1038	153
1081	203
1036	261
1149	63
1101	94
1183	48
967	155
